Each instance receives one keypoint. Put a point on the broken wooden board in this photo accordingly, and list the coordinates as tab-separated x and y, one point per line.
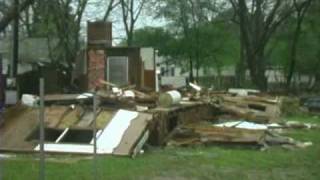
54	114
258	109
206	134
132	135
20	121
71	118
86	120
67	98
112	134
103	118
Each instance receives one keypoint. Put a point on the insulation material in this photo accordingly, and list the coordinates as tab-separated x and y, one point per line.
243	125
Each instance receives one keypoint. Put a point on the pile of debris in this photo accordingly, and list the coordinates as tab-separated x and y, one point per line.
239	132
127	118
245	117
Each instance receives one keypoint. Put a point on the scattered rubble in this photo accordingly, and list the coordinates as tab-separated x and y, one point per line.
128	117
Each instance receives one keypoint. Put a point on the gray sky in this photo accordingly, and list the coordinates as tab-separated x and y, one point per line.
95	11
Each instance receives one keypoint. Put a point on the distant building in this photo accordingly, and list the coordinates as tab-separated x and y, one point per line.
31	50
173	74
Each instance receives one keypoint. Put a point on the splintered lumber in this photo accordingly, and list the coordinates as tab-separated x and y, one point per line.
108	83
141	95
197	134
246	114
254	108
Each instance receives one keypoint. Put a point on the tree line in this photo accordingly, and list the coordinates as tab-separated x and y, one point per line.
252	35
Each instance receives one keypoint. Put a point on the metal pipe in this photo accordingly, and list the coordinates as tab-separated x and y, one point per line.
95	168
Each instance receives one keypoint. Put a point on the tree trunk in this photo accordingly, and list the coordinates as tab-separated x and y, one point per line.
293	55
241	65
257	69
197	69
129	38
191	77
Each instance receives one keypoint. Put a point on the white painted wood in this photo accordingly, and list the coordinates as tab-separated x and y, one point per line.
62	135
111	136
67	148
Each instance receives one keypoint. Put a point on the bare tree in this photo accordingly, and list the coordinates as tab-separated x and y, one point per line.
112	4
63	20
301	7
258	20
11	14
131	10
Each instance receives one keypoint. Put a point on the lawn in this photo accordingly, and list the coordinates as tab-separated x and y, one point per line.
184	163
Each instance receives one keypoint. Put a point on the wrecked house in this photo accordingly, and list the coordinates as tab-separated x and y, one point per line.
118	65
125	124
69	123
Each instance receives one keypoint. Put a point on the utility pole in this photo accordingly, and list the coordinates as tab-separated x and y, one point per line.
15	53
1	107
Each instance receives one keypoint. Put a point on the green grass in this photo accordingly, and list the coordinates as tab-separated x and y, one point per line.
185	163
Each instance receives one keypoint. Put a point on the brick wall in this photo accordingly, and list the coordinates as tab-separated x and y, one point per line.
96	68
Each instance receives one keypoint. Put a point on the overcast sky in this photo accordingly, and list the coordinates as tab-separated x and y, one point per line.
95	11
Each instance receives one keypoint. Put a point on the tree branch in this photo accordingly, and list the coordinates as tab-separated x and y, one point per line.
11	14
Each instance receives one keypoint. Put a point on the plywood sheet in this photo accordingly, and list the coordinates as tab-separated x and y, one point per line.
54	114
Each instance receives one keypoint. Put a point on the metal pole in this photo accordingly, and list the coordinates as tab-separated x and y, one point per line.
42	135
2	93
95	170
